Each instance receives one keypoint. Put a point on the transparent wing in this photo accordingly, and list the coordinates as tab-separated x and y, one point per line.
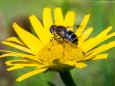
73	28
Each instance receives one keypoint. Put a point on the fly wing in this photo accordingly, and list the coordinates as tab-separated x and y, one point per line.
73	28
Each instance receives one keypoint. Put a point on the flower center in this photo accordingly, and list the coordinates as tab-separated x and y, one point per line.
60	50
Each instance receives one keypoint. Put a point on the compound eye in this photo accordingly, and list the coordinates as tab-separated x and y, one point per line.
52	28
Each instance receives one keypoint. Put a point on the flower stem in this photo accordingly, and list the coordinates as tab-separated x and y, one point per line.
67	78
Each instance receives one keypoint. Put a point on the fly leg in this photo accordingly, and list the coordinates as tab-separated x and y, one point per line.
63	47
55	39
84	53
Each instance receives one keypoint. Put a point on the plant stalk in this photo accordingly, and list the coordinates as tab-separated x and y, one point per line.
67	78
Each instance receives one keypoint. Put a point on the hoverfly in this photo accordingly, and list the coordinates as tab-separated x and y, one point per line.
64	33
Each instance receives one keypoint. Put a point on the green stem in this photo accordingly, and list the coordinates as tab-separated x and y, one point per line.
67	78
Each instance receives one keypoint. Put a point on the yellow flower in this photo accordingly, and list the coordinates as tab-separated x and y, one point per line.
43	54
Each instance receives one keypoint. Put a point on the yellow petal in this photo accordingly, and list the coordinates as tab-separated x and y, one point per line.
47	18
82	25
18	47
69	20
15	39
14	68
109	36
29	74
16	54
47	21
85	43
105	38
97	40
58	17
71	63
30	40
103	48
80	65
43	34
11	62
5	51
21	55
23	63
85	35
100	56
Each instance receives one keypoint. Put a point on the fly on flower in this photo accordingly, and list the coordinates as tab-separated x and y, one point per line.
36	54
64	33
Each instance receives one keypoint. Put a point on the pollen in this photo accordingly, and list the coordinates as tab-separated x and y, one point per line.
60	50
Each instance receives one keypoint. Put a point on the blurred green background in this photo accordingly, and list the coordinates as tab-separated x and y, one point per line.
98	73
